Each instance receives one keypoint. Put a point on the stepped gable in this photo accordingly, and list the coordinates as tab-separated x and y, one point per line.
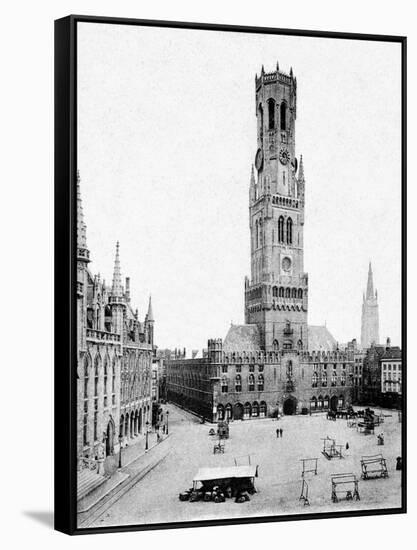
242	338
319	338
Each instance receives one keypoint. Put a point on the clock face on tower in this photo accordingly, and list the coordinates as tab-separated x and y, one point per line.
286	264
259	159
284	156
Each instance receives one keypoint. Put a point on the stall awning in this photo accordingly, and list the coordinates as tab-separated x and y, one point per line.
206	474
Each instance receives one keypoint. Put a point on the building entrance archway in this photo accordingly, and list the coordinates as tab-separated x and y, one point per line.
110	438
290	406
333	403
238	411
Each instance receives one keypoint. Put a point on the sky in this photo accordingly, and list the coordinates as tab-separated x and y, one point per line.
166	139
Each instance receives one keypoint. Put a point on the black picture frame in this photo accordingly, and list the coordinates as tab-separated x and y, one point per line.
65	268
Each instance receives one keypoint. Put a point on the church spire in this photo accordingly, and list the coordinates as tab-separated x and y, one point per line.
150	312
117	290
370	286
82	251
301	170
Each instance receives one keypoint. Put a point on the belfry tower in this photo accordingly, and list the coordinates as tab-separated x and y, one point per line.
276	296
370	314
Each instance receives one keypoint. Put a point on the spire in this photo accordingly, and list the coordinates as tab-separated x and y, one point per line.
116	289
252	177
370	286
150	312
277	66
301	169
81	227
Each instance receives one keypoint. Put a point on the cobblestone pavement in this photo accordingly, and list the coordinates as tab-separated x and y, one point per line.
155	498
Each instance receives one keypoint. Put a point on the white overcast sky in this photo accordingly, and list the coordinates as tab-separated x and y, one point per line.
166	138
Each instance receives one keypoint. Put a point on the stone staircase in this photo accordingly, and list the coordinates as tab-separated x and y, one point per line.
87	481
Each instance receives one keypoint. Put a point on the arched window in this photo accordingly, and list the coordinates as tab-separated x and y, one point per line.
113	381
281	229
343	378
238	383
289	231
283	115
255	409
251	383
271	114
261	122
289	369
288	293
300	292
294	293
260	233
96	366
262	409
324	378
86	376
300	344
105	381
275	292
225	387
334	378
276	345
261	382
314	380
313	403
247	410
281	292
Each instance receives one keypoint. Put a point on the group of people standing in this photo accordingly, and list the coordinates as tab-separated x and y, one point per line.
279	432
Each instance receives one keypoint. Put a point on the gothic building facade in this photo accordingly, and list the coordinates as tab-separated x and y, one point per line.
370	314
267	365
115	352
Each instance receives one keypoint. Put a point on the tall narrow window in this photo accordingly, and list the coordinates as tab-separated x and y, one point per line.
96	365
86	377
113	382
261	123
283	116
261	382
281	229
289	231
271	114
238	383
256	235
251	383
105	382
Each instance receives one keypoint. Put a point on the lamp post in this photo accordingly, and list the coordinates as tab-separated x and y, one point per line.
120	450
146	444
167	421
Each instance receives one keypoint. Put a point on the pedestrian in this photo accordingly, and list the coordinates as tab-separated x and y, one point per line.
163	428
158	437
347	446
280	432
277	432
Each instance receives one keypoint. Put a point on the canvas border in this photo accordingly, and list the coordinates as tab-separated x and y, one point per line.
65	270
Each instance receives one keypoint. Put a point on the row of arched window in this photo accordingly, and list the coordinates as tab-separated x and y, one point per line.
272	122
238	383
285	231
324	379
239	411
282	292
